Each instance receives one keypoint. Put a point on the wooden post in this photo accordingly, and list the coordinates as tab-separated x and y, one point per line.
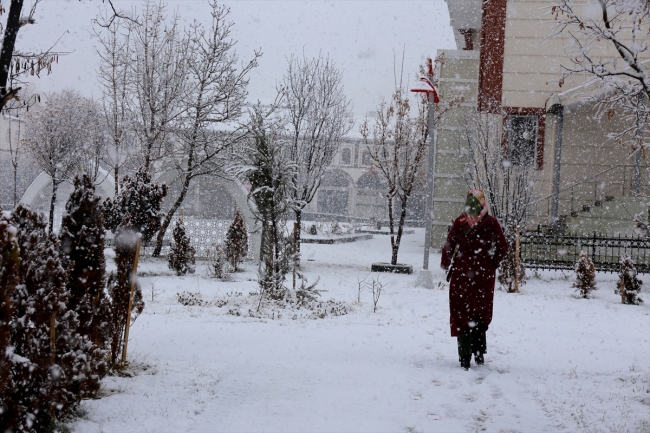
295	250
128	311
517	260
182	215
53	338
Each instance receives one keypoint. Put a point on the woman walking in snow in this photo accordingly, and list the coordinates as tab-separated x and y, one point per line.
475	246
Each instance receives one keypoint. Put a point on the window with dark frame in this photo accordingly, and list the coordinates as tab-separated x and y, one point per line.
522	139
365	157
346	156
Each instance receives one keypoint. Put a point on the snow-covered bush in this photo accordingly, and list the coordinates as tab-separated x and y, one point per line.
218	267
52	366
629	285
141	199
181	253
82	257
9	268
328	228
236	241
508	267
191	299
585	276
642	223
307	293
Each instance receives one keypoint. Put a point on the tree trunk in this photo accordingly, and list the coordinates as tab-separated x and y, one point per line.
15	164
116	343
391	226
8	43
262	247
147	156
276	250
170	215
116	172
55	186
298	229
400	231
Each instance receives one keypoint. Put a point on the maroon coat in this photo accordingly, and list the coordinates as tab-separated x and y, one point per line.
471	287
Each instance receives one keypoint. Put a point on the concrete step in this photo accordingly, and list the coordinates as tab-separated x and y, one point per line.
610	217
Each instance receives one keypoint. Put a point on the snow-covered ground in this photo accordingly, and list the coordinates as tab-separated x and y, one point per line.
554	363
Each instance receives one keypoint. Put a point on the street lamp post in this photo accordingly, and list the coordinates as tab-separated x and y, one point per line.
426	86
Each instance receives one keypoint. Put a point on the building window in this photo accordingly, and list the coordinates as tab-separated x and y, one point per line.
333	195
346	156
468	34
522	140
365	158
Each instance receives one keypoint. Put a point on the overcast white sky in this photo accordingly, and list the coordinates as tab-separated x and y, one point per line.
362	37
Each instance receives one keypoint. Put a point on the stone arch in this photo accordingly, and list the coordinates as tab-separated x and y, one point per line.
334	193
43	185
371	202
370	180
197	200
38	194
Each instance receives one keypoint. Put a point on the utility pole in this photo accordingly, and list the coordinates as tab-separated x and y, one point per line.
432	97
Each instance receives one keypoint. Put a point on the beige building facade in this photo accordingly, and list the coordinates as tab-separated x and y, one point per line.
509	65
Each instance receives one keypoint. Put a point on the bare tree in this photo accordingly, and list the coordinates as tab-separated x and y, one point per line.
55	135
155	80
397	145
114	53
216	92
95	139
609	45
318	117
508	184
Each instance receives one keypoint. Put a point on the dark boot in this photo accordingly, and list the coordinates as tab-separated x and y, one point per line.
464	362
478	358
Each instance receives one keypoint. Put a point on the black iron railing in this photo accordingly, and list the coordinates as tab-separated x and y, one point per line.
556	252
622	180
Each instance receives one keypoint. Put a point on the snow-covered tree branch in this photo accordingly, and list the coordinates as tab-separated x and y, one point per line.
114	54
397	145
609	43
155	81
318	117
15	63
216	90
508	186
56	134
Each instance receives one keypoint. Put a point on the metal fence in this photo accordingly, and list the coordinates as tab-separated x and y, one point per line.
205	235
556	252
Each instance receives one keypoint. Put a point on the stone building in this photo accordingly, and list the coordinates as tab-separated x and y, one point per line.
352	191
